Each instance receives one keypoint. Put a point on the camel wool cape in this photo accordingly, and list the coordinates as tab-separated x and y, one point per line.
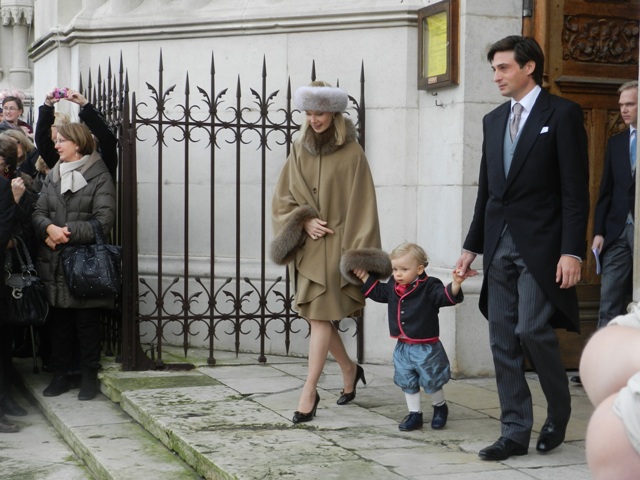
333	183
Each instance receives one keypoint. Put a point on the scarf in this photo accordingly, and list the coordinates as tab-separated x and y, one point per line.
70	177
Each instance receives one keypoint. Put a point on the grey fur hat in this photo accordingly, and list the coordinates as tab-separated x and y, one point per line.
320	99
373	260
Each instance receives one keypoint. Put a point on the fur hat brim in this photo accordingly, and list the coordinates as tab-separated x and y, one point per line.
373	260
292	236
320	99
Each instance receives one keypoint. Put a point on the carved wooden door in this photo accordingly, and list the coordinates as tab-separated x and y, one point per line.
591	48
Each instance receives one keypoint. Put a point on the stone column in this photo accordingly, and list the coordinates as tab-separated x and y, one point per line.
19	14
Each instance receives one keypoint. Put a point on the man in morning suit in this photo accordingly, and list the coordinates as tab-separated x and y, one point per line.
613	225
529	224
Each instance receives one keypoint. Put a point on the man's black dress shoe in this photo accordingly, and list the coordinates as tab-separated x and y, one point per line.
576	379
551	436
502	449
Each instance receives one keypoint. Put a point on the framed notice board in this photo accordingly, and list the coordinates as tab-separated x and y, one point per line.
438	45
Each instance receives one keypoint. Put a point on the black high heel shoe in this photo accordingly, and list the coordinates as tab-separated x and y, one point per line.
347	397
299	417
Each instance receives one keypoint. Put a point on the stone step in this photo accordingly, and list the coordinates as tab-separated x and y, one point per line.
111	443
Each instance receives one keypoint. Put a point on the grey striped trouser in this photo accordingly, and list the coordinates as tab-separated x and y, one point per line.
519	313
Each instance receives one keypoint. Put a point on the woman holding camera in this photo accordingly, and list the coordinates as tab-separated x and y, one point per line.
47	123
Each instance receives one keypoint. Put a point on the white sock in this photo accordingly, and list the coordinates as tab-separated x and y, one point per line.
413	401
437	398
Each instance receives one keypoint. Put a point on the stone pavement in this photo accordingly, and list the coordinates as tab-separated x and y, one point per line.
37	451
232	421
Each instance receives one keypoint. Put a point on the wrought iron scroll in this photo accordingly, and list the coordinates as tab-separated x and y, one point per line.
189	305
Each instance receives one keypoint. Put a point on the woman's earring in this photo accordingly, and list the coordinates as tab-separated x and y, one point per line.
6	169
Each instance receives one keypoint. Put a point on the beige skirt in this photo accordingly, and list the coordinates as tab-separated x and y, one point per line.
335	303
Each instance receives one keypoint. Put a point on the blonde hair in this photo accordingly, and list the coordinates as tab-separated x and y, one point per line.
60	118
41	166
20	136
339	122
414	251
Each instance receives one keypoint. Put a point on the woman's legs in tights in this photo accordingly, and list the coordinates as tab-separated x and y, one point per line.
324	339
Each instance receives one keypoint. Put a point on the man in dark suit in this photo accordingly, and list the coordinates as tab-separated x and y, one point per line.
613	225
529	224
7	206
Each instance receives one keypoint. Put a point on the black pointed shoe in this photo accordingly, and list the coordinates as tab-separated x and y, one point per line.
347	397
502	449
299	417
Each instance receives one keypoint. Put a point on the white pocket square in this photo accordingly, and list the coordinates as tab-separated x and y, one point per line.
544	130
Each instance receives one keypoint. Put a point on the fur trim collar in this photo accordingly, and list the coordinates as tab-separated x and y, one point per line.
325	142
292	236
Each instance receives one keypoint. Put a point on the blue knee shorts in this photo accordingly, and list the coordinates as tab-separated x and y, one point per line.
420	365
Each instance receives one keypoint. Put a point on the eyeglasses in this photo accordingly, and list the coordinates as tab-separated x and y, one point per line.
10	109
61	140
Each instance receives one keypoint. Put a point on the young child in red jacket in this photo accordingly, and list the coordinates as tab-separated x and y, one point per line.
414	300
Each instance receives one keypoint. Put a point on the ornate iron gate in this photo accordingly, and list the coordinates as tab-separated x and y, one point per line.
180	149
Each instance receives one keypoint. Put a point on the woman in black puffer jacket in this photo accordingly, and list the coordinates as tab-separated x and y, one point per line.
78	189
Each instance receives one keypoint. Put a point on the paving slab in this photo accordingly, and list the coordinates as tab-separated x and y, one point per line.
37	451
233	421
242	428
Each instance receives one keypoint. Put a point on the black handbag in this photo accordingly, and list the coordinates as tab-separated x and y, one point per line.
92	270
27	297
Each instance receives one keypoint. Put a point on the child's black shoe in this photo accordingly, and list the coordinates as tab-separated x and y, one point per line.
413	421
440	414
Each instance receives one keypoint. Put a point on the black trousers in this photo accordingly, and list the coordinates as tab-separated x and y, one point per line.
75	330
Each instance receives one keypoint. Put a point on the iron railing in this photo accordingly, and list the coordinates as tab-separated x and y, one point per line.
223	145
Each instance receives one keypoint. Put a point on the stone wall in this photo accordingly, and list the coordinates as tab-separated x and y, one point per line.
423	147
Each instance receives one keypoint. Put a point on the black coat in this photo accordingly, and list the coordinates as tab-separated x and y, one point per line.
96	200
414	315
7	207
544	200
617	190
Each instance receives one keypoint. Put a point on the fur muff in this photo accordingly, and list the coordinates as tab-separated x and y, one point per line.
292	236
373	260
